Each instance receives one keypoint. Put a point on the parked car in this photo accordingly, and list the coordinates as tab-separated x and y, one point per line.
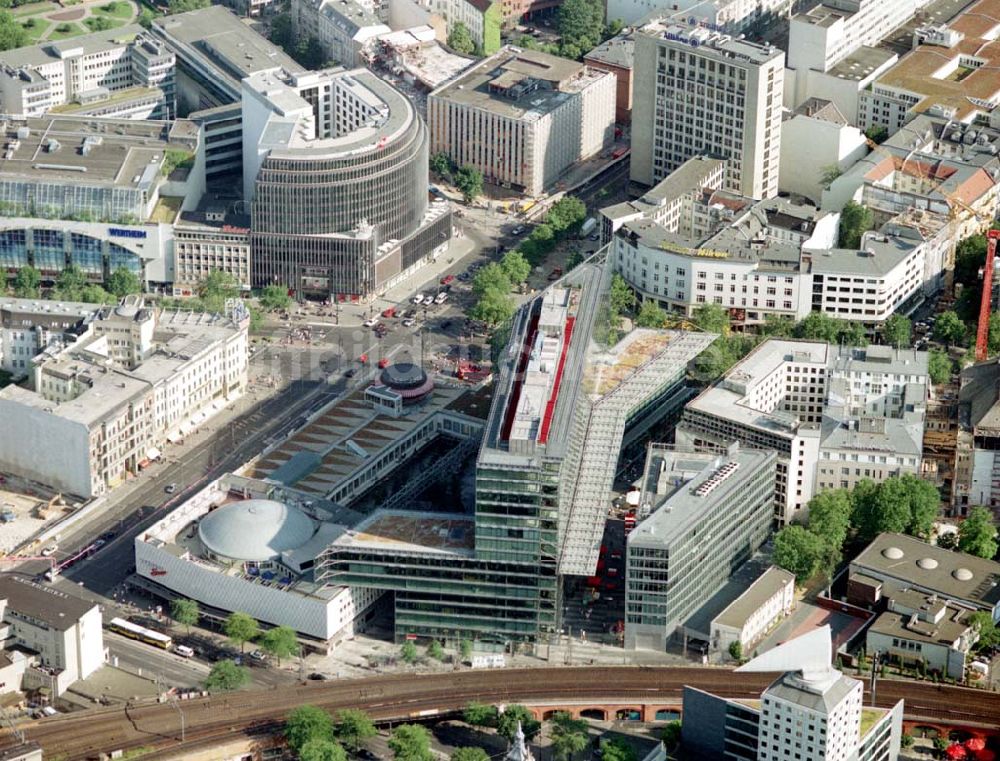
441	298
170	488
370	322
257	655
418	299
447	279
318	677
409	322
50	550
517	230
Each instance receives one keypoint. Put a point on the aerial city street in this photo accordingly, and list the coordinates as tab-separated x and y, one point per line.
511	380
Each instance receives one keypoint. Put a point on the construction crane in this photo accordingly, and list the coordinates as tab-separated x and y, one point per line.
986	302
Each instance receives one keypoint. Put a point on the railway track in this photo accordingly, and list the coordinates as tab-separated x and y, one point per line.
211	720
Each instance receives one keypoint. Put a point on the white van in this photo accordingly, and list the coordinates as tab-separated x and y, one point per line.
184	651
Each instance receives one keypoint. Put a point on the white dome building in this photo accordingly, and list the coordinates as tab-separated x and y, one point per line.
254	530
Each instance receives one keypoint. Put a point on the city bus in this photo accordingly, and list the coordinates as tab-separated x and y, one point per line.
134	631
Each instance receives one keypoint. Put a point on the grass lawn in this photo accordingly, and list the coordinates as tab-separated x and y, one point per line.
115	9
32	8
99	23
35	27
70	30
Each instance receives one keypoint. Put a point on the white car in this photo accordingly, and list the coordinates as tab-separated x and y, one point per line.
441	298
418	299
50	550
370	322
409	322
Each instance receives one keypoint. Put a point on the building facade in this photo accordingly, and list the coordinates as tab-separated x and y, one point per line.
346	29
754	613
523	117
698	91
483	19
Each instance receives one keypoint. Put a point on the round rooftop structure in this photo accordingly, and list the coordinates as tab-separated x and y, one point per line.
408	380
255	530
962	574
892	553
928	564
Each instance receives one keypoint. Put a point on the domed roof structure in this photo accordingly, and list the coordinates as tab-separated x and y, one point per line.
408	380
255	529
892	553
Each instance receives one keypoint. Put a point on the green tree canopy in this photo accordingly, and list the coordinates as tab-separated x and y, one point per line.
216	288
12	34
408	652
799	550
671	735
470	754
493	308
27	283
989	634
469	182
274	298
283	31
183	6
123	282
492	277
736	650
776	326
855	220
978	534
225	676
480	715
650	315
569	736
465	649
949	329
830	516
435	651
617	749
566	214
712	318
818	326
442	165
515	266
898	504
622	297
353	727
897	330
184	612
411	742
70	284
281	642
939	366
581	25
240	628
460	39
305	723
322	750
508	720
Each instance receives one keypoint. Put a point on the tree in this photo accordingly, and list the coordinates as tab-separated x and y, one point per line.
712	318
818	326
310	53
460	39
877	133
939	366
352	728
492	277
830	516
184	612
182	6
828	174
146	16
123	282
411	742
216	289
852	333
897	330
949	329
27	283
435	651
566	215
906	740
622	297
442	165
948	540
671	735
226	676
493	308
408	652
469	182
465	649
989	634
480	715
470	754
322	750
569	736
281	642
70	284
777	326
99	23
12	34
978	534
855	220
305	723
275	298
92	293
240	628
513	714
515	266
581	25
898	504
283	31
650	315
798	550
736	650
617	749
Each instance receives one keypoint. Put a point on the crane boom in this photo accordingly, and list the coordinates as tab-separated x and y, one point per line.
985	303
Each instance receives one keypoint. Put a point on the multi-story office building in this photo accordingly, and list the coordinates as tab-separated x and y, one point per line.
101	405
730	16
617	55
28	326
210	239
827	33
820	408
346	29
335	169
570	394
483	19
523	118
125	73
62	631
676	557
698	91
949	73
810	712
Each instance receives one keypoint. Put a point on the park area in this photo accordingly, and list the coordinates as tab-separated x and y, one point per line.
50	21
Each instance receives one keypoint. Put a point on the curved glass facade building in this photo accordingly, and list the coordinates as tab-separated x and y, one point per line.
336	165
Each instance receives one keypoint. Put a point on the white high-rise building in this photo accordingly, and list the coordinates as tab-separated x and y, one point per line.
696	91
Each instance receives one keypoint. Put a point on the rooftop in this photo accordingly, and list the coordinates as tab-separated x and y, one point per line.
710	43
862	63
905	626
763	589
57	609
688	178
618	51
519	84
422	532
879	255
58	50
918	565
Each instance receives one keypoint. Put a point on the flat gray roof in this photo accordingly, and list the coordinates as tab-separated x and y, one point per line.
85	44
862	63
618	51
878	258
55	608
772	581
